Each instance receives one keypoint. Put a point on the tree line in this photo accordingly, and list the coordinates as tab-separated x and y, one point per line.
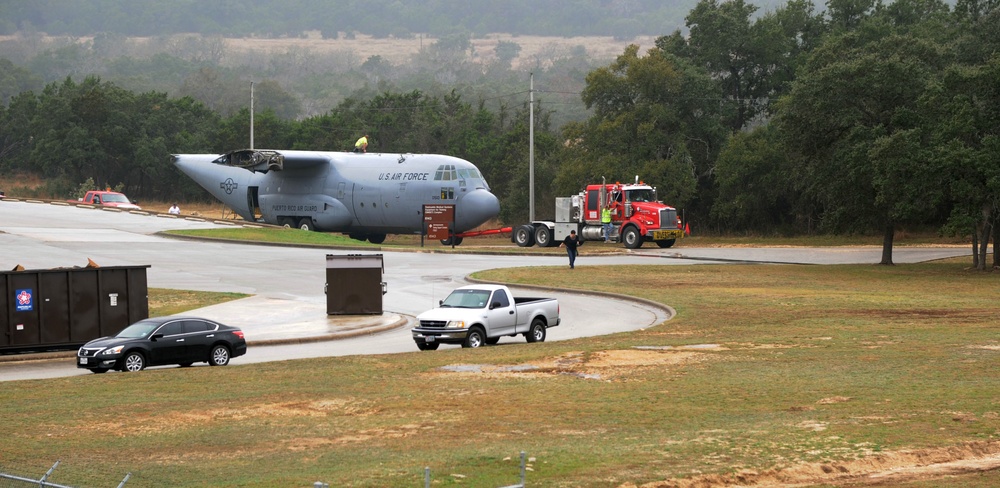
863	118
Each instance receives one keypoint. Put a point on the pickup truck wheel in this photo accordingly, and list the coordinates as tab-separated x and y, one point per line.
476	338
537	331
632	238
524	236
427	346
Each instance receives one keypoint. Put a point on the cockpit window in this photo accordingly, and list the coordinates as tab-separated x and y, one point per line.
446	172
449	172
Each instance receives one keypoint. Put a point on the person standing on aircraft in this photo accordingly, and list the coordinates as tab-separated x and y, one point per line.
362	145
571	242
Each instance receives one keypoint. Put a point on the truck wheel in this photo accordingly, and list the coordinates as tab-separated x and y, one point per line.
537	331
632	238
476	338
543	236
524	236
427	346
666	243
376	238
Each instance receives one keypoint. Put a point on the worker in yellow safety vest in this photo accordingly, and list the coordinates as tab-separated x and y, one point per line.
606	221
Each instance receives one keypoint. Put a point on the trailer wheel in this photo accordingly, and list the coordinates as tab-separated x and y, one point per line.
537	331
666	243
543	236
632	238
476	338
524	236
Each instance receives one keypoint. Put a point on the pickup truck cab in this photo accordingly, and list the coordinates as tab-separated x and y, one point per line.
109	199
481	314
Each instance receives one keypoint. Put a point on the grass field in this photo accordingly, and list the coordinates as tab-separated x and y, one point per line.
799	369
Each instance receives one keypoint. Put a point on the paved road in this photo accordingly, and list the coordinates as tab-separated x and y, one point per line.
288	282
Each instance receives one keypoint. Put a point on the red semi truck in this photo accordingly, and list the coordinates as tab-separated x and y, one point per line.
637	216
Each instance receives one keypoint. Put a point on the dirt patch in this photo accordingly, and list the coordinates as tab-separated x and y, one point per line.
600	365
171	421
881	469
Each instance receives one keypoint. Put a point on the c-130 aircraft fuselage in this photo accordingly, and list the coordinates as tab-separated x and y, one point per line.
365	195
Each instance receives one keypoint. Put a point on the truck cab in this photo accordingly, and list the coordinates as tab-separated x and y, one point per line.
637	214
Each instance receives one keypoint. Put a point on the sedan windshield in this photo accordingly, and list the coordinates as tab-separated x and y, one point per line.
467	299
137	330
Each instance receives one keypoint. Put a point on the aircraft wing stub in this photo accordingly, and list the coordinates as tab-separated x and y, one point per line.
253	160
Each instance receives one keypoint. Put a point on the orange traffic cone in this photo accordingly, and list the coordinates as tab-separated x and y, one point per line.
687	228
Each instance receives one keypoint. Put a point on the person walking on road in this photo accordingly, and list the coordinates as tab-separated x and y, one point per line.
572	241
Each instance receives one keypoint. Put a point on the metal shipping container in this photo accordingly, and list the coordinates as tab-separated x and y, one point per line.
66	307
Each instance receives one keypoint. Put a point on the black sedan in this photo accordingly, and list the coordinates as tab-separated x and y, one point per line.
163	340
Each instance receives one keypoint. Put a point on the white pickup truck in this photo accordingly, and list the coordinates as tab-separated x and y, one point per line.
481	314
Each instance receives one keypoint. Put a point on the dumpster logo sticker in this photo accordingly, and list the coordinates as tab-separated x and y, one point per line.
24	300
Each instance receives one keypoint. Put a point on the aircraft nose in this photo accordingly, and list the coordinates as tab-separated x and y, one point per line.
478	207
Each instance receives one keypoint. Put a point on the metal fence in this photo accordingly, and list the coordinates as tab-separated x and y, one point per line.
8	480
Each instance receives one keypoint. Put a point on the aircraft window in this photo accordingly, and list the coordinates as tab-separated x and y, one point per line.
454	174
437	175
447	193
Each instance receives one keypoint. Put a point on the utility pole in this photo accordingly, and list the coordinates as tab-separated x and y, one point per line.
531	150
251	115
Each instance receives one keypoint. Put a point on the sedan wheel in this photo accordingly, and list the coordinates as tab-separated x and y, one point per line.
133	362
220	356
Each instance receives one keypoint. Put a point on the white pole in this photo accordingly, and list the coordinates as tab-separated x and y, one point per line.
251	115
531	150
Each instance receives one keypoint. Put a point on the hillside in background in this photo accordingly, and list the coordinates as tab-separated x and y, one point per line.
378	18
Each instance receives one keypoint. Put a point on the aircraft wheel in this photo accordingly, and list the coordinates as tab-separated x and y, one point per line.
524	236
666	243
376	238
307	224
286	222
357	237
632	238
543	236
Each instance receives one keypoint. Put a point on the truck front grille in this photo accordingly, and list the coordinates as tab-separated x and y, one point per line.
433	324
668	218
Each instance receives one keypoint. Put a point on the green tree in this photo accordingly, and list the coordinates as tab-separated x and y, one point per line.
853	115
654	115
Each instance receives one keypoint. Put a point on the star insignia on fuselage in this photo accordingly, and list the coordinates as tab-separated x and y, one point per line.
229	186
